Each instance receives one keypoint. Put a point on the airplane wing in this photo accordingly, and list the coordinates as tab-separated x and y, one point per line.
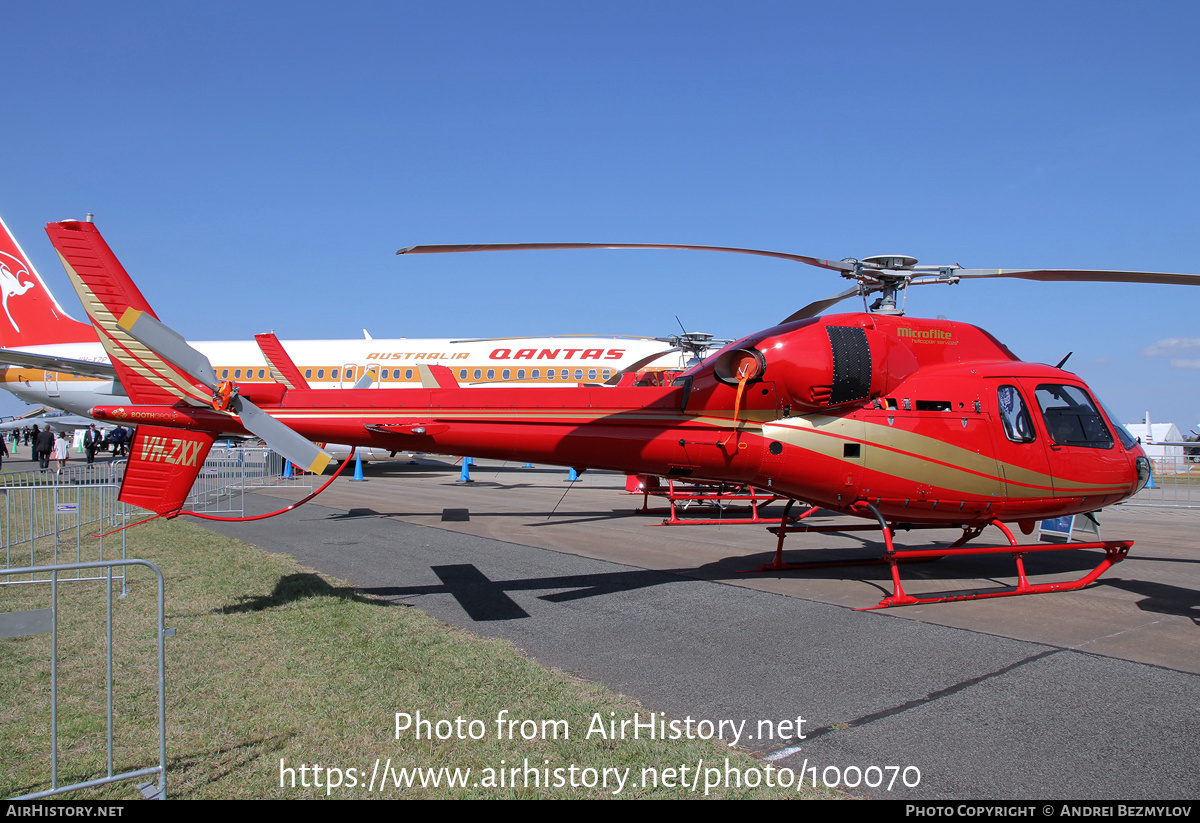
85	368
65	422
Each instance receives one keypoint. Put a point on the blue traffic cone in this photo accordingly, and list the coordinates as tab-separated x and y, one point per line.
465	477
287	468
572	476
357	468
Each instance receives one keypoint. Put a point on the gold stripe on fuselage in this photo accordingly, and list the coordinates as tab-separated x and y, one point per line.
921	458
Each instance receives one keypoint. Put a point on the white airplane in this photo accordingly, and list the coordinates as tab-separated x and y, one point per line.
57	361
57	421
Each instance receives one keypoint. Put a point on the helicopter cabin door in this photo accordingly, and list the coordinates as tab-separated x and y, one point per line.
1086	461
1021	457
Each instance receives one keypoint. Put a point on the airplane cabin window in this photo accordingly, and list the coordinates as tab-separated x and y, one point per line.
549	374
408	374
462	374
591	374
320	374
333	373
478	373
505	374
224	373
491	374
262	373
537	373
520	374
237	373
307	373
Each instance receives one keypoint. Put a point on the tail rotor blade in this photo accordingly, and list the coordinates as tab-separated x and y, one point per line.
168	344
279	437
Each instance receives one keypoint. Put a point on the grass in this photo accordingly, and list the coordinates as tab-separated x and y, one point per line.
276	664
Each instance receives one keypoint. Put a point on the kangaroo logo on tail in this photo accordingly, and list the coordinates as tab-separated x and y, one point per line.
11	284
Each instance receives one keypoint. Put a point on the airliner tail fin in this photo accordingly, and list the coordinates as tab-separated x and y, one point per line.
29	314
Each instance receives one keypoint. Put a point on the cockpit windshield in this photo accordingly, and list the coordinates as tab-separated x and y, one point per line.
1072	419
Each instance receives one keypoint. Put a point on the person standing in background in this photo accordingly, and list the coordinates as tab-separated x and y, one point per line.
43	447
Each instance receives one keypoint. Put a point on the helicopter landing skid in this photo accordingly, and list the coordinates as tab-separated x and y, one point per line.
1114	552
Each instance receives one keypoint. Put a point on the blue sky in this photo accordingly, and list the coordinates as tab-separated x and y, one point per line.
256	165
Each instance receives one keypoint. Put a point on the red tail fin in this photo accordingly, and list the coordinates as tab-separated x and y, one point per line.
107	292
283	368
436	377
163	464
29	314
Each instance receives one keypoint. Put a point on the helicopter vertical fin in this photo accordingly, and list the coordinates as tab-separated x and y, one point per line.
283	368
163	465
108	294
437	377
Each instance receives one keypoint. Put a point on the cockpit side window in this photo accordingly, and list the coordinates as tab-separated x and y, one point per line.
1072	419
1017	425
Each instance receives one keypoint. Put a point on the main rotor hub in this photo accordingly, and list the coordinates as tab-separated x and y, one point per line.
891	261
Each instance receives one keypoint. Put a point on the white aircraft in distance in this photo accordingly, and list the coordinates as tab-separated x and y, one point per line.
57	361
56	421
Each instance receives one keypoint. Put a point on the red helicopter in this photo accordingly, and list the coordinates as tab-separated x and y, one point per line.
908	423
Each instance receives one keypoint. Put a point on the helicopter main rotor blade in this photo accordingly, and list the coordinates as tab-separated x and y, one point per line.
1085	275
638	364
836	265
280	438
813	309
168	344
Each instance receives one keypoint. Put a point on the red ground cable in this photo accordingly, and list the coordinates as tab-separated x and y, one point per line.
298	503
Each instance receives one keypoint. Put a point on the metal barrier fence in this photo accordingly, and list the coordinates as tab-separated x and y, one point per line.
1175	476
59	516
55	517
46	621
51	515
221	486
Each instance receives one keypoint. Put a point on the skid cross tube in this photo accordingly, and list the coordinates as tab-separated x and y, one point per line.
1114	552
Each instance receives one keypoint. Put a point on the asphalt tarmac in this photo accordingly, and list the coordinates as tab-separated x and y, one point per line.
1081	695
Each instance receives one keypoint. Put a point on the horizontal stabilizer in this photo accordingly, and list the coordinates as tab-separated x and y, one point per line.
163	465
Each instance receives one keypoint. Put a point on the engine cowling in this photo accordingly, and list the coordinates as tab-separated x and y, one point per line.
820	365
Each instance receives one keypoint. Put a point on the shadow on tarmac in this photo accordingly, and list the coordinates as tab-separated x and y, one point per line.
294	587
